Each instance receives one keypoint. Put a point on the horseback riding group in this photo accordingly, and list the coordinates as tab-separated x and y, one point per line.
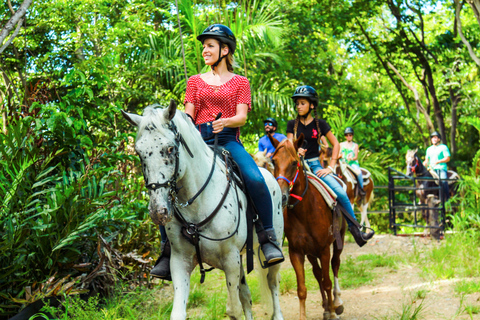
208	195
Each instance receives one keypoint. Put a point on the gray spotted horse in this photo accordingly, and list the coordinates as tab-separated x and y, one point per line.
174	160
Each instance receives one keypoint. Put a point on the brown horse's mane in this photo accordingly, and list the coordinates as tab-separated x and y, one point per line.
286	143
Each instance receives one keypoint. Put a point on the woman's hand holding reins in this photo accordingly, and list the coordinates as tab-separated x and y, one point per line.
218	124
323	172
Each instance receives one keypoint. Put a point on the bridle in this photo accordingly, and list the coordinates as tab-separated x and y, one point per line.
192	230
172	182
292	183
413	168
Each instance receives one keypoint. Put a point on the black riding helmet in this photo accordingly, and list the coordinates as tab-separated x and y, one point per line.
222	34
306	92
435	133
272	121
348	130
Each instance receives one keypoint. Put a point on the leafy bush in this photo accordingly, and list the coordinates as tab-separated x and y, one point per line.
56	199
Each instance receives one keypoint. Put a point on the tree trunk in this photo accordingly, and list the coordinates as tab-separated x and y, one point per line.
455	98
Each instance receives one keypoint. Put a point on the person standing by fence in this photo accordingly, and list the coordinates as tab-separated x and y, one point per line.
436	158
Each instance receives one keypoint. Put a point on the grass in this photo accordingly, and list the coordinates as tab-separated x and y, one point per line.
411	309
455	257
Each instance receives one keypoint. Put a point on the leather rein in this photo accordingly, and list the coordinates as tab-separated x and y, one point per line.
192	230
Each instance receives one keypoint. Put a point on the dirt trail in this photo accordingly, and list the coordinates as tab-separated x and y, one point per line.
390	291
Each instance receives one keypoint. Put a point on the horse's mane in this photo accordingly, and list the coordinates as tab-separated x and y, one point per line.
286	143
153	115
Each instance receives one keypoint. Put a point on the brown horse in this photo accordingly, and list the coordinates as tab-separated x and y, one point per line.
352	188
308	227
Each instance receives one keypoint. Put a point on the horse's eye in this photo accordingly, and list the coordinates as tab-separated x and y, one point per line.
170	149
295	163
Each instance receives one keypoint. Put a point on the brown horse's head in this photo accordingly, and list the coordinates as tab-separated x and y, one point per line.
287	165
325	155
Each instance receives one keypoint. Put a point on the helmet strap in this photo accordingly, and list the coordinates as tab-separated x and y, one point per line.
219	59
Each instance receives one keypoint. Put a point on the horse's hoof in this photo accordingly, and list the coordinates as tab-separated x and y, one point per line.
339	309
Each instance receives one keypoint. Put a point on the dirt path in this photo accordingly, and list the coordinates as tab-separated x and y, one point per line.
390	291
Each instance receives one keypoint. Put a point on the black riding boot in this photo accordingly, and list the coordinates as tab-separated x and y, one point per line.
162	265
270	247
360	237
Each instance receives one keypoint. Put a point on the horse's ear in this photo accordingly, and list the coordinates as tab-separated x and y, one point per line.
264	152
415	152
274	141
133	119
170	112
299	142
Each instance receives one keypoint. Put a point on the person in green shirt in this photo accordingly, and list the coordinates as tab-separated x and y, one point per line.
436	158
349	154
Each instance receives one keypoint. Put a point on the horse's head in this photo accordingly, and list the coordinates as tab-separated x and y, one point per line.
287	165
325	155
158	145
412	162
263	161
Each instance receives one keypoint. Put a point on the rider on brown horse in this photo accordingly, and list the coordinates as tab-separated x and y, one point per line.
306	100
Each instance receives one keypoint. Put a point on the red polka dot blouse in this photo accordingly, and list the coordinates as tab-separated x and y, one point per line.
209	99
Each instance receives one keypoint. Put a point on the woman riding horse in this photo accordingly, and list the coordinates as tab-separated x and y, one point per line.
306	100
222	91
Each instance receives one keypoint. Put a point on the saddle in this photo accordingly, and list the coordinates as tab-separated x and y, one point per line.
450	174
351	175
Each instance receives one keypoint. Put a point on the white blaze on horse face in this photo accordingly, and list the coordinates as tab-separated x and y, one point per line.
410	160
158	156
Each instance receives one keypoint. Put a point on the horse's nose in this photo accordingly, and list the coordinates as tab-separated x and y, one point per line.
160	216
284	200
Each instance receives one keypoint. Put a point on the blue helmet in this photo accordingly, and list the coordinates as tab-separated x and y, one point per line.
306	92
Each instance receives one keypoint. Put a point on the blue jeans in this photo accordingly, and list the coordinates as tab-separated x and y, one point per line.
342	197
359	175
443	175
252	176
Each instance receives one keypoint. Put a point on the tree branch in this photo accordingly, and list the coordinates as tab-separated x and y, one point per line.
460	33
14	20
17	30
387	70
475	4
418	103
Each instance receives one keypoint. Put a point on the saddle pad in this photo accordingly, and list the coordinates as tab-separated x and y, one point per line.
450	174
347	171
327	193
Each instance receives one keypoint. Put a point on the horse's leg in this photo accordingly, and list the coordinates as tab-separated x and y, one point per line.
327	284
181	284
298	261
232	267
273	278
337	302
245	295
317	272
363	210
